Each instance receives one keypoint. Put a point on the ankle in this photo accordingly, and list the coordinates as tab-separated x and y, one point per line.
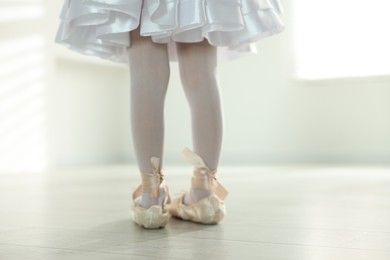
200	186
153	187
196	195
147	200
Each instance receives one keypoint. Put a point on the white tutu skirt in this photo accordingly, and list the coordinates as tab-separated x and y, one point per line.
101	27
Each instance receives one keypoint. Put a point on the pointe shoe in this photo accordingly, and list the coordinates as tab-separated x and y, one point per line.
156	216
209	210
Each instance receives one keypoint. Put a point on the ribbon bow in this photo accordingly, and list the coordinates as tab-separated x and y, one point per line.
213	183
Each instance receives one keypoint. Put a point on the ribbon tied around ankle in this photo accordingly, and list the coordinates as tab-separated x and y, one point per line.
151	182
200	165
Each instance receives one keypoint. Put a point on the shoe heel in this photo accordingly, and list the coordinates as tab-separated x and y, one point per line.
209	210
154	216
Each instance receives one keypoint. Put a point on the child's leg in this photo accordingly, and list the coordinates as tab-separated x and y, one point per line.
149	75
198	71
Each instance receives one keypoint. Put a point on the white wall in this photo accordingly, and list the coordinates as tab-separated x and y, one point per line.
269	116
25	69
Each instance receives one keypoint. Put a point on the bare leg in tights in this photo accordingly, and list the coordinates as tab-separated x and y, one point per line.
149	76
198	72
149	72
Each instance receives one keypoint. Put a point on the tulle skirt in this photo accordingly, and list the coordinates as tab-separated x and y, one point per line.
101	27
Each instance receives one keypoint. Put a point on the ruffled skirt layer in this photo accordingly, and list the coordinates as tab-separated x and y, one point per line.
101	27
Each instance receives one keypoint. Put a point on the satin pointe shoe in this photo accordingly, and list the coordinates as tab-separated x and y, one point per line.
209	210
156	216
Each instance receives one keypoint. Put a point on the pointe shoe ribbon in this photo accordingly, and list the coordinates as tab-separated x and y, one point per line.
151	182
201	168
156	216
209	210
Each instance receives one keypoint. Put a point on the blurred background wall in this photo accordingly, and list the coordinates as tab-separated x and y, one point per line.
63	109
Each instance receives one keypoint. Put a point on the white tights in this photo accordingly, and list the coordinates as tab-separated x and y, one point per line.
149	75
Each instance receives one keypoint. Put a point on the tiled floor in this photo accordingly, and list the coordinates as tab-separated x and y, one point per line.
296	212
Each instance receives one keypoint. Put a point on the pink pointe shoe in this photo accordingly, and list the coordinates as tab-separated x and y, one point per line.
156	216
209	210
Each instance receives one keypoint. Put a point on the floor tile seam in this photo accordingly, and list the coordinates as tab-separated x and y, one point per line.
68	229
157	235
78	250
289	244
328	229
242	241
277	227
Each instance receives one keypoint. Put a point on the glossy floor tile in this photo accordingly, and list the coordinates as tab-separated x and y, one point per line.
274	212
